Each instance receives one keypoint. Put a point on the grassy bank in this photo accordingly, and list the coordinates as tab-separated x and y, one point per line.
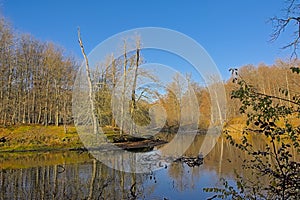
24	138
38	138
50	138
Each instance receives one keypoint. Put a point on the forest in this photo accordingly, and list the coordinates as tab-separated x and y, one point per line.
37	79
48	96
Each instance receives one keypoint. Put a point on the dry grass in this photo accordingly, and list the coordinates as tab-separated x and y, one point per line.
37	137
236	126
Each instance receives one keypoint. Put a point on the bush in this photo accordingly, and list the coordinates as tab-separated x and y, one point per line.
275	161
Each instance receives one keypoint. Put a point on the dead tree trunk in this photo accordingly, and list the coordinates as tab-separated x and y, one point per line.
91	93
133	101
123	99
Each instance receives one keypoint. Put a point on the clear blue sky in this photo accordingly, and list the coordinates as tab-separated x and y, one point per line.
234	32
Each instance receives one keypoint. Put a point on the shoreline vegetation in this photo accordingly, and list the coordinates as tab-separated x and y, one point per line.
40	138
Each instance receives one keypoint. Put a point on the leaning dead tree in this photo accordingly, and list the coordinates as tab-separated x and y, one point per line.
290	21
90	85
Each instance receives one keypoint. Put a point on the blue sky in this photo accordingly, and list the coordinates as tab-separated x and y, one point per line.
233	32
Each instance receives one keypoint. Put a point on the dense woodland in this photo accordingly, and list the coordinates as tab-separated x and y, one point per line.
36	80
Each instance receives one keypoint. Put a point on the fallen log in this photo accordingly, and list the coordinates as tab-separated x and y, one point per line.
147	143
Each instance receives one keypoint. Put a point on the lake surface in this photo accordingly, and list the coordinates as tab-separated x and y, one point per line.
77	175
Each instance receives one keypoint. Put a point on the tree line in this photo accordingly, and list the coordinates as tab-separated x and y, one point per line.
275	80
36	80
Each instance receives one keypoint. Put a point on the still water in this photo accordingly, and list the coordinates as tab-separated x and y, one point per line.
77	175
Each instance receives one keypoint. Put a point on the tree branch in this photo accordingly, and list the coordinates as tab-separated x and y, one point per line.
281	24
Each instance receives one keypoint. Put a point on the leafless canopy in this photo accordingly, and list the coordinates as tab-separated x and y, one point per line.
291	19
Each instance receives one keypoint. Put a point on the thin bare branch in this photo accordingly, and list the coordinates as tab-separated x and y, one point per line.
281	24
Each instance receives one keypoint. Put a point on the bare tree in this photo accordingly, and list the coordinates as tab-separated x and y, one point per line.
134	85
91	90
291	19
123	89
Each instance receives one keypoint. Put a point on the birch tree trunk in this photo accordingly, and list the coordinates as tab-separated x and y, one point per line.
91	93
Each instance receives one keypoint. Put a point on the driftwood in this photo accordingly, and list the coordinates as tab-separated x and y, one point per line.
191	161
147	143
136	144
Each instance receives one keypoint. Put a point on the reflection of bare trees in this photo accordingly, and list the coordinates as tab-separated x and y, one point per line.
93	180
79	181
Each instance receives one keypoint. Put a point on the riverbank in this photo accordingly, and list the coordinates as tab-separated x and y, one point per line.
38	138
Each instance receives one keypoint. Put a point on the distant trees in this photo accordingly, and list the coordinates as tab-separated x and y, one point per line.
273	80
36	80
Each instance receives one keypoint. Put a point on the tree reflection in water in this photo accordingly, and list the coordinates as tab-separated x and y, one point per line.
74	175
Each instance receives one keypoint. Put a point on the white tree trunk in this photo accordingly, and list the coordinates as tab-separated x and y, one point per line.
91	93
